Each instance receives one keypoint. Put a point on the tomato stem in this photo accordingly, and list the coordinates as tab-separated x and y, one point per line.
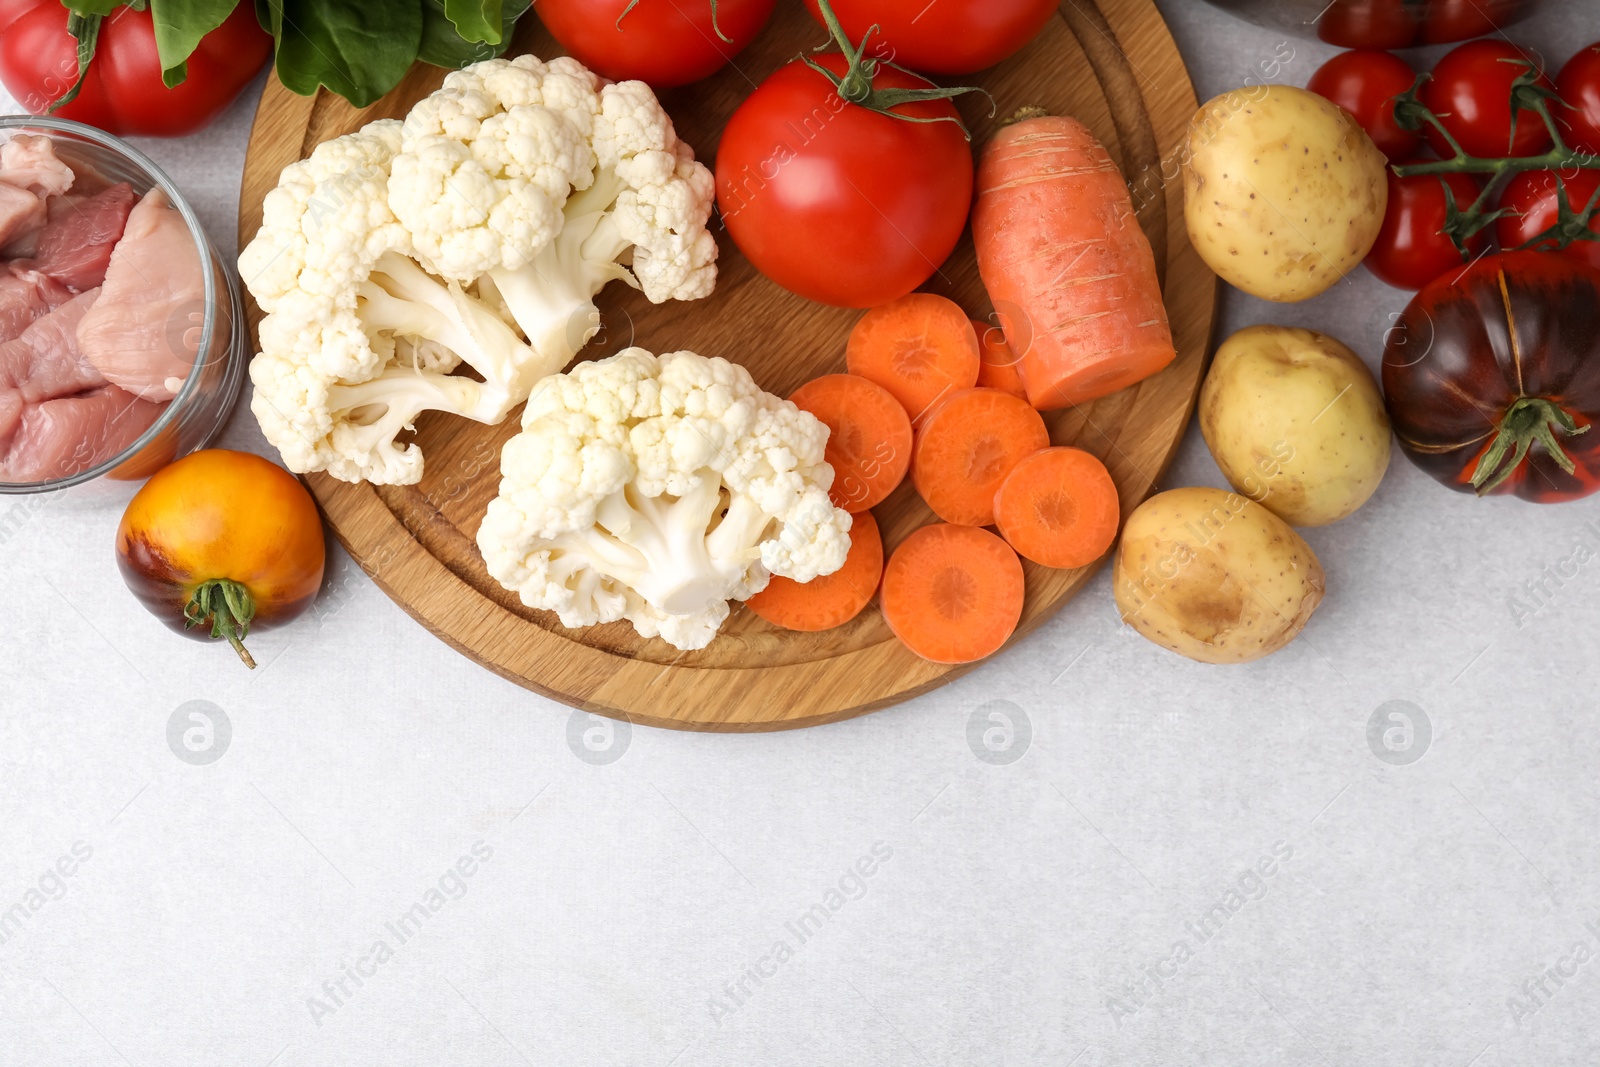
855	85
1531	419
635	3
1462	225
227	607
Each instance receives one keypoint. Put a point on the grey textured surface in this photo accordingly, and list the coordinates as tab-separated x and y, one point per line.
1025	907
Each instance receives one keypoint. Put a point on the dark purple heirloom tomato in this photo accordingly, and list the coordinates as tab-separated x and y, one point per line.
1492	377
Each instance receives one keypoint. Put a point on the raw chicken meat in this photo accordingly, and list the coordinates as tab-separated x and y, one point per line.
139	332
44	363
24	296
57	438
28	161
75	246
21	214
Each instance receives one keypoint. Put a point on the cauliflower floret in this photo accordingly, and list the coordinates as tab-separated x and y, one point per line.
657	490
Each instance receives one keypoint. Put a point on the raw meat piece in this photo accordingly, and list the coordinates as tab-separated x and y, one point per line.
77	243
28	161
21	213
44	362
61	437
24	296
140	331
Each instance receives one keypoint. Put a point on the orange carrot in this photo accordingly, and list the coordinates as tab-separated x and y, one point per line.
831	599
967	446
953	594
1066	264
869	440
999	367
1058	508
919	347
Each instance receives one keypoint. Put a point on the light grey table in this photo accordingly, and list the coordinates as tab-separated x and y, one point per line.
1144	861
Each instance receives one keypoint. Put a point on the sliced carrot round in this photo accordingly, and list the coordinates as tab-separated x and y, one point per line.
828	600
919	347
966	447
869	439
953	594
999	367
1058	508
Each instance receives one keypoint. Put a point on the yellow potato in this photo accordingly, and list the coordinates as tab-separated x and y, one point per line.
1214	576
1296	423
1284	192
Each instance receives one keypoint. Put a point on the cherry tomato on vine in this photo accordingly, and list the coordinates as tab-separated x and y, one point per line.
946	37
1369	23
1470	93
1579	88
1412	248
1365	82
1534	197
662	42
836	202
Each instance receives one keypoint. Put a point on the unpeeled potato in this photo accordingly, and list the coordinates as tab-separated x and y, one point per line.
1284	192
1214	576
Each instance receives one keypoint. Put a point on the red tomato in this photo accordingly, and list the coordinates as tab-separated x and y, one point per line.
837	203
663	42
1412	249
943	37
1470	92
1369	23
1365	83
123	91
1579	86
1448	21
1534	197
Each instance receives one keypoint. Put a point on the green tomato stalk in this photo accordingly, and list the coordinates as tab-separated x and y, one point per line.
227	607
1463	224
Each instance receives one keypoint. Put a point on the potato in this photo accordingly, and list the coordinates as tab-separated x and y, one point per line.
1284	192
1214	576
1296	423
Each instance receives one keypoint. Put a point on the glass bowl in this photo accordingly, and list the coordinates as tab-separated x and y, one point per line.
195	416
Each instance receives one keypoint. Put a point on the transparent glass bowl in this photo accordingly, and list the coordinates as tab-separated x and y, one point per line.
195	416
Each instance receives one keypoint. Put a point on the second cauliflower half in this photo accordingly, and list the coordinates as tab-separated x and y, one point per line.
476	231
656	490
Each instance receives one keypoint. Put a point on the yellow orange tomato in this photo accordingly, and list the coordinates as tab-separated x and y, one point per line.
220	543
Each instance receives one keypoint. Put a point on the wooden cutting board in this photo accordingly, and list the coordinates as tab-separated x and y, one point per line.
1111	63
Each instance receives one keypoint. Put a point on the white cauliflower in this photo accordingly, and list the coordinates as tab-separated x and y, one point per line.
656	490
553	184
358	340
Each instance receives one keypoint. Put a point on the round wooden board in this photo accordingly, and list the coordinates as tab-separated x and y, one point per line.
1110	63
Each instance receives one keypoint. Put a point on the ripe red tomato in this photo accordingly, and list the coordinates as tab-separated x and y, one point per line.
1579	87
1412	249
1448	21
1470	92
1365	83
662	42
123	92
837	203
944	37
1369	24
1534	198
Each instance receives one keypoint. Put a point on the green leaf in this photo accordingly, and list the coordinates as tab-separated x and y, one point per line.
357	49
179	25
475	20
444	46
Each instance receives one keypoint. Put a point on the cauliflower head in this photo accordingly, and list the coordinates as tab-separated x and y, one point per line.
657	489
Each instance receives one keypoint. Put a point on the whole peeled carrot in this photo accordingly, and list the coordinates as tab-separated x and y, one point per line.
1066	265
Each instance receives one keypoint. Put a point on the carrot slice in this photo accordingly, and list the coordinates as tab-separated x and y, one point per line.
919	347
967	446
1058	508
1064	260
953	594
831	599
869	443
999	367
